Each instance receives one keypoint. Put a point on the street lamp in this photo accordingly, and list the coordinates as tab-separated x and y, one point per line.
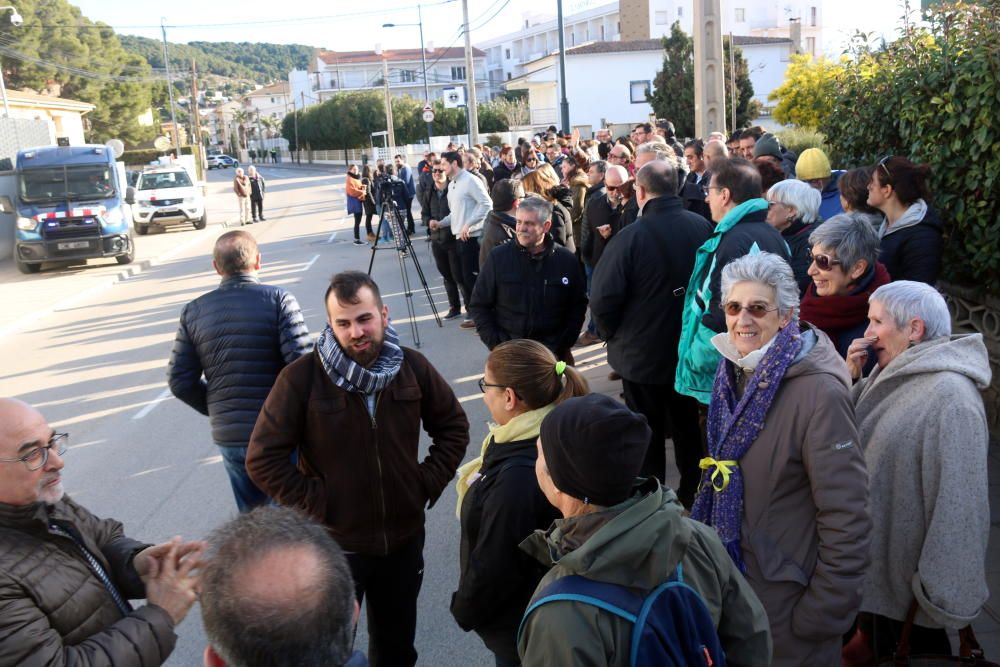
15	20
423	59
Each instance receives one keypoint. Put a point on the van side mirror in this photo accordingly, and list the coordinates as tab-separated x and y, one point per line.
130	195
6	205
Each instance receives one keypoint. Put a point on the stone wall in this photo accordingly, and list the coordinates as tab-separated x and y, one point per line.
973	311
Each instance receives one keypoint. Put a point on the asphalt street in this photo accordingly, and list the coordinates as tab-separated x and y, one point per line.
89	347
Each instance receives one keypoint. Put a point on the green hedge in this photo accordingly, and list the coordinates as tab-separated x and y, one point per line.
933	96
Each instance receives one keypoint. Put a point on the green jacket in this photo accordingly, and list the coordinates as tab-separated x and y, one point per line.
636	544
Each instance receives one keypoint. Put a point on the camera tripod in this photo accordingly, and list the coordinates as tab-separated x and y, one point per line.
394	219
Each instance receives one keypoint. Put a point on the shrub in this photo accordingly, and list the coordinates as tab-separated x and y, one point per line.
797	139
932	95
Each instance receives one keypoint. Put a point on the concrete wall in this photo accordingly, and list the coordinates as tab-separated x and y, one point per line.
597	86
8	185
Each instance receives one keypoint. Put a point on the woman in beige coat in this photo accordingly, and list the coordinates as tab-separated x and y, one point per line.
785	483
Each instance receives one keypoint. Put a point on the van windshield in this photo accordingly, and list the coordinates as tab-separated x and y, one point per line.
164	179
66	183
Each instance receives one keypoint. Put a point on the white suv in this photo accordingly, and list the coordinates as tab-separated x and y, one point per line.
166	196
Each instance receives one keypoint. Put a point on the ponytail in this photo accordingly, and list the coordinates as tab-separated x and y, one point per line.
532	371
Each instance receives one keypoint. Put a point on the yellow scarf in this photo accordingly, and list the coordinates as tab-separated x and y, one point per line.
525	425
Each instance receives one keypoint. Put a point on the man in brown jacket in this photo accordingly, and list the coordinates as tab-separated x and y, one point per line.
241	186
338	438
66	576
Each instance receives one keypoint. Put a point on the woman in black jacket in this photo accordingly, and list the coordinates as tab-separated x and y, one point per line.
911	244
369	200
499	502
545	183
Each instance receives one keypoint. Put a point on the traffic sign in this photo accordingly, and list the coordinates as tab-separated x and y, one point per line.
428	114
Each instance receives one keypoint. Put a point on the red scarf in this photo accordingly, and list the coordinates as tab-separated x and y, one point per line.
834	314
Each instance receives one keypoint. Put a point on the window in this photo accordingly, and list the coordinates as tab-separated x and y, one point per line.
811	45
508	76
680	12
662	18
812	16
508	53
407	76
572	39
741	15
272	100
638	91
602	33
458	73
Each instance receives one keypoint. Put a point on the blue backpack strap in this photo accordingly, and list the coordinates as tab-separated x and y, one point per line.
612	598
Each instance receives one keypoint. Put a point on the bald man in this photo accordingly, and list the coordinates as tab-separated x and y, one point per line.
66	576
278	591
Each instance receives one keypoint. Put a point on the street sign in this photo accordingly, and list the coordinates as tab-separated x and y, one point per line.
428	115
162	143
453	97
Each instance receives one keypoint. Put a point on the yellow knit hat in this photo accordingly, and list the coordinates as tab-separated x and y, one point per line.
812	164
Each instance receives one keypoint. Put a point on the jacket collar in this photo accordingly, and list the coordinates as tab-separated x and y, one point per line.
23	517
239	279
595	188
662	203
550	246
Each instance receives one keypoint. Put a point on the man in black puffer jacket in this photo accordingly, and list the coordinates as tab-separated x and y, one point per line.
532	288
240	336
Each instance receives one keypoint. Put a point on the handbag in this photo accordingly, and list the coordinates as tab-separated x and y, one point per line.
969	652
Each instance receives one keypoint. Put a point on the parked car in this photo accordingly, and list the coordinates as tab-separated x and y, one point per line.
221	162
167	196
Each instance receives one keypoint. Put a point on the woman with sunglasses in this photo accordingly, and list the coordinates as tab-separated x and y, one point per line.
911	232
844	271
784	483
793	209
499	502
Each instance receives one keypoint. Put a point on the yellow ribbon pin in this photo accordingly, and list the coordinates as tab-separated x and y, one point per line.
722	468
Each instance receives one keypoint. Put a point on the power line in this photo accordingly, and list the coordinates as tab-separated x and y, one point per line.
77	71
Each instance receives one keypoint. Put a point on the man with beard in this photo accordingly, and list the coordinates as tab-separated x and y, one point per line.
338	439
66	576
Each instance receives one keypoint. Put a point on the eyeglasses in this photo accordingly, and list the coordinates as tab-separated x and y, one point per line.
756	310
823	262
530	159
439	171
612	188
39	456
616	156
772	204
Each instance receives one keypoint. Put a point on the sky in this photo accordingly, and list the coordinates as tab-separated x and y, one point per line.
337	25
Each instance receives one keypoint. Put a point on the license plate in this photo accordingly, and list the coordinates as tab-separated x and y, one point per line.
73	245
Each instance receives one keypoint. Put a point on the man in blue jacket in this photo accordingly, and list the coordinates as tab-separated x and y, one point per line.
239	336
406	175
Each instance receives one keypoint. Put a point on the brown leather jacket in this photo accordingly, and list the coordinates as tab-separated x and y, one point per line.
241	185
53	608
357	473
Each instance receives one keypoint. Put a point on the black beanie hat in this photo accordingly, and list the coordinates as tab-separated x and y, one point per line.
594	448
768	144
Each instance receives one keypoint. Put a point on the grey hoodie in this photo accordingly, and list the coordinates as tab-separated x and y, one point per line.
914	215
923	426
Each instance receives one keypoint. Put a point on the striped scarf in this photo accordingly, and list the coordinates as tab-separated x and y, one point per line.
733	426
352	376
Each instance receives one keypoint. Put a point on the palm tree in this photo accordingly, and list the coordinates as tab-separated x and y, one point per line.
242	118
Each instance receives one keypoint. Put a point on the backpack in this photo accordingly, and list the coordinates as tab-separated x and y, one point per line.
671	626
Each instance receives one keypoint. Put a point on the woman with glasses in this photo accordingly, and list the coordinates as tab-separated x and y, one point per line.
921	418
784	483
844	271
911	231
499	502
793	209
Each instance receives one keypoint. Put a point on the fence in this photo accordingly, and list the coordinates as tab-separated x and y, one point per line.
19	133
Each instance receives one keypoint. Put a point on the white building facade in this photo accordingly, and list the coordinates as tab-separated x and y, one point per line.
333	72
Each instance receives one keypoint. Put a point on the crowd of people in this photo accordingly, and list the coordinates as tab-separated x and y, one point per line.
772	317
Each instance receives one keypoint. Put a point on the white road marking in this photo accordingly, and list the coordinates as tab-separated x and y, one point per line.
150	470
332	237
311	262
164	395
468	378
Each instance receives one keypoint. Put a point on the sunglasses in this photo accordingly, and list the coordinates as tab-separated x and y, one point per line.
439	171
881	165
823	262
530	160
756	310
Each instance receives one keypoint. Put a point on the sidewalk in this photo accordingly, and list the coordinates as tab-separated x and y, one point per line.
592	361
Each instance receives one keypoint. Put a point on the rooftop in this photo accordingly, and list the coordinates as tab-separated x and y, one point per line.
280	88
33	99
348	57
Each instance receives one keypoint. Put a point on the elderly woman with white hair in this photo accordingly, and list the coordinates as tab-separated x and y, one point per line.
793	209
927	468
784	483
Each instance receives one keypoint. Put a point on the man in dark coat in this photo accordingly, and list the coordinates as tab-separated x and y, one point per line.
637	299
66	576
257	188
239	336
532	288
406	175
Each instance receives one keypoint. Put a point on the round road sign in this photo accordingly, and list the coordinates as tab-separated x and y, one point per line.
428	115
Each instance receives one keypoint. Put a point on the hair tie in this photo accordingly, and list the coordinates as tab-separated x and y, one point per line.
560	367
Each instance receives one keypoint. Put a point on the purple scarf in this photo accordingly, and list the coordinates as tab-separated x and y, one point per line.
733	426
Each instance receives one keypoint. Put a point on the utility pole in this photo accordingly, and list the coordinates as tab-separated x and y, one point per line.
563	103
170	88
470	79
388	106
196	114
709	69
423	66
295	122
298	149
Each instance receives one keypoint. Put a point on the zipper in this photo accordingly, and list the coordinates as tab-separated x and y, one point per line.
378	463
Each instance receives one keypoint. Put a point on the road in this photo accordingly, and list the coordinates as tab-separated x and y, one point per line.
89	347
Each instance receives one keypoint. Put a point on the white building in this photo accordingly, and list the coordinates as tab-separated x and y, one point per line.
826	26
64	117
333	72
606	82
272	101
